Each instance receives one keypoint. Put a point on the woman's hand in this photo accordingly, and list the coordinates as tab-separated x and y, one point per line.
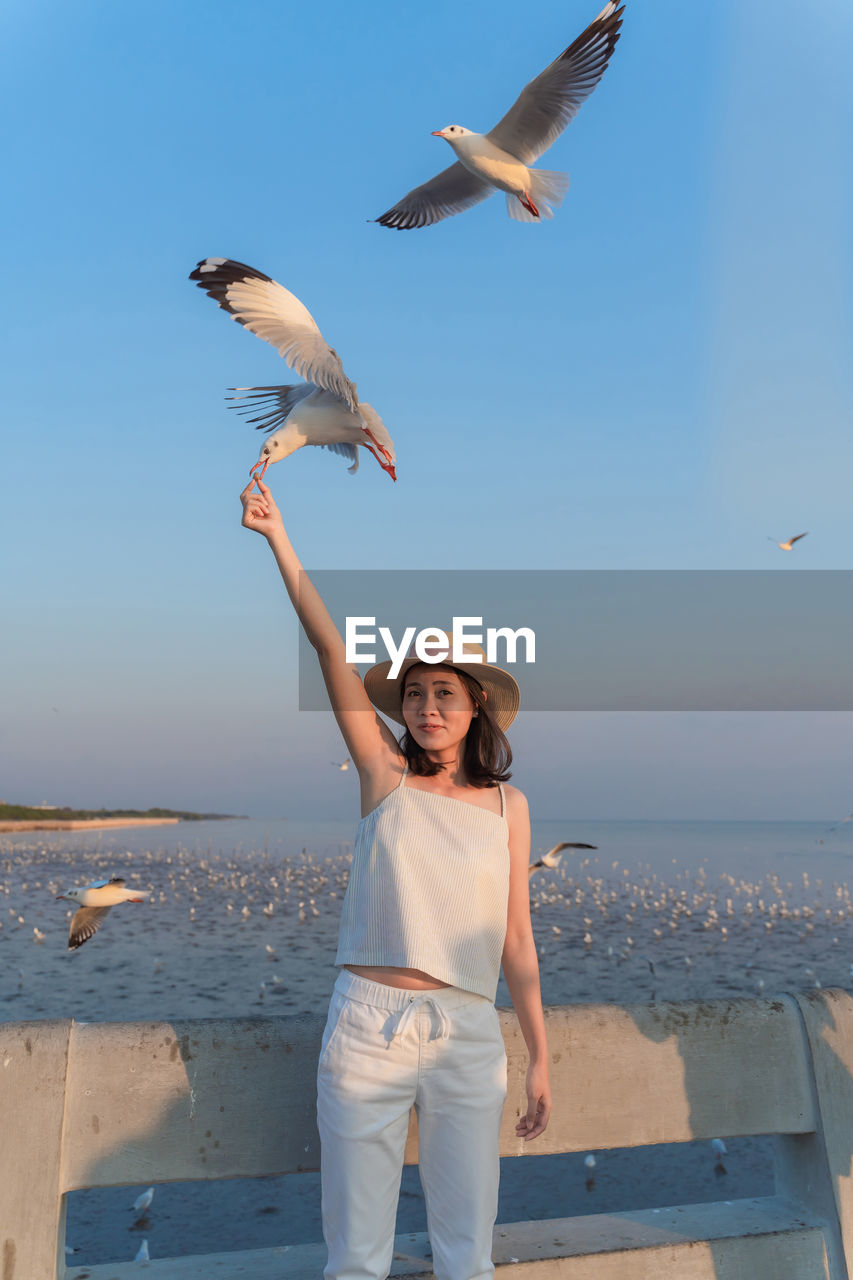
538	1104
259	510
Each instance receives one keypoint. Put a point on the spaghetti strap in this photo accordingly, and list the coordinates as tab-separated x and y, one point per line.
403	779
503	800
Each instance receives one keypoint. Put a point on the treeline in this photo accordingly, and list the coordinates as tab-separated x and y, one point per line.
24	812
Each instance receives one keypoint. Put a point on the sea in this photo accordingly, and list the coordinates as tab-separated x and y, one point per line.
242	920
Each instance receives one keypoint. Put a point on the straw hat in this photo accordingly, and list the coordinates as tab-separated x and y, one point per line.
503	695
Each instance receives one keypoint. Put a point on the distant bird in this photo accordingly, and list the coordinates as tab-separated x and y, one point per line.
142	1203
343	767
501	159
326	410
552	857
142	1254
719	1149
589	1164
95	901
789	545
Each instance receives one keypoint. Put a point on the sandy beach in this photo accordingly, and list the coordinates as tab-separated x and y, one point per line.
84	824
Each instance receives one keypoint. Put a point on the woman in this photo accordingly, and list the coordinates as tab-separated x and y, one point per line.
437	900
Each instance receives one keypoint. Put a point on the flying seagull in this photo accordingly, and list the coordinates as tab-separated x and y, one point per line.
501	159
95	901
325	410
343	765
789	545
553	856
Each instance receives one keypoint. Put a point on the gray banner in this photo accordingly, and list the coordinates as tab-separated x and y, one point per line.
614	640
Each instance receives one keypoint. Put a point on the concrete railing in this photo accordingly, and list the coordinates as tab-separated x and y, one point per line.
100	1105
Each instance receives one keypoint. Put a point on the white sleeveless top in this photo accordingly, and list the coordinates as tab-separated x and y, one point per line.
429	889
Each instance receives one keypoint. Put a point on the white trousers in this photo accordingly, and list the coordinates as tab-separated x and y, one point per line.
385	1050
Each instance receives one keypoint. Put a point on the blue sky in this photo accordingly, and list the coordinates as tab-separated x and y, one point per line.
659	378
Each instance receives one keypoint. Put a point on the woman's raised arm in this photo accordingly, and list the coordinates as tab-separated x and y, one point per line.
369	740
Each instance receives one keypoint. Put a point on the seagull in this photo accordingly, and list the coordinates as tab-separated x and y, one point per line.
501	159
95	901
142	1203
719	1149
325	410
789	545
344	766
553	856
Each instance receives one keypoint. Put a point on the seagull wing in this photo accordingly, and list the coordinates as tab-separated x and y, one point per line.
799	535
564	844
85	924
273	404
449	192
550	102
276	315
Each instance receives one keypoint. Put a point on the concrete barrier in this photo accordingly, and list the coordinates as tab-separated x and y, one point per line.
98	1105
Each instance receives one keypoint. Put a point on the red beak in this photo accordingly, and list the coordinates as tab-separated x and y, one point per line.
263	464
437	133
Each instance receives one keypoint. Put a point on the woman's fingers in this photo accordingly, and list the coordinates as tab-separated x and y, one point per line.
536	1120
258	507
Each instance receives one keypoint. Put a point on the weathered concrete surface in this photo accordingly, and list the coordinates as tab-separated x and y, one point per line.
113	1104
198	1099
32	1104
828	1018
763	1238
625	1076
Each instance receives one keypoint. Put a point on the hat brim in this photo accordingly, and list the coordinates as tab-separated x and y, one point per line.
503	695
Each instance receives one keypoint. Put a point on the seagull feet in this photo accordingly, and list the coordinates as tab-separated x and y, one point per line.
388	464
529	205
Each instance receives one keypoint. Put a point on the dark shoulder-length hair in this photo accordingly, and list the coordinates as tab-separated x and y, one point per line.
486	756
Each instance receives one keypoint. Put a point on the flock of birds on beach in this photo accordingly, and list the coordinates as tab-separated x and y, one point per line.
619	917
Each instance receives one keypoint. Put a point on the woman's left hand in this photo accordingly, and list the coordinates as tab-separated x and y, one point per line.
538	1104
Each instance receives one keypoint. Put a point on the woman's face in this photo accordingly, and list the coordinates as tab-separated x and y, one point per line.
437	707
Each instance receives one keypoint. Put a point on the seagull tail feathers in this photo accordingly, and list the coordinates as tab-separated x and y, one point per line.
548	188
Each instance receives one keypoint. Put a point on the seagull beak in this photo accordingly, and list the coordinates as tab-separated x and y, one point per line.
60	897
438	133
263	463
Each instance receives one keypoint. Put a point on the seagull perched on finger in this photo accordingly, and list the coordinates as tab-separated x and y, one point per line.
789	545
325	410
95	900
502	159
